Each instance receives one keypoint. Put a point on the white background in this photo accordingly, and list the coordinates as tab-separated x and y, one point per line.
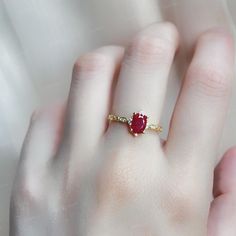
41	39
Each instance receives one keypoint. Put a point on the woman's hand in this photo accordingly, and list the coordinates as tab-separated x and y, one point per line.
79	176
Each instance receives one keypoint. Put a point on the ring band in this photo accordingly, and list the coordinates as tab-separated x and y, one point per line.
137	124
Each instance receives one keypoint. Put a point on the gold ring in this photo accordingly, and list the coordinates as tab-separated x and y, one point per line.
137	124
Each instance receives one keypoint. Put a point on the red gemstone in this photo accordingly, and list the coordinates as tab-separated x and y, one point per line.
138	123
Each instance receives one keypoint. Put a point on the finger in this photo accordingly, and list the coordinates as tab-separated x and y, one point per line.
225	174
39	149
222	215
43	138
144	73
90	97
200	112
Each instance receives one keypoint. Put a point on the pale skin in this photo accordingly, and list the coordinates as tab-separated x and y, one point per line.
80	176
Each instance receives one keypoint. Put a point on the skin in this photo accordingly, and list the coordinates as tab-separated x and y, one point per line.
80	176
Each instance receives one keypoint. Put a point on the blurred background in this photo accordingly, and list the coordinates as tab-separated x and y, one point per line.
41	39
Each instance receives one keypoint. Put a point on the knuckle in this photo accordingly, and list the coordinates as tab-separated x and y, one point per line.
150	49
217	34
91	62
145	50
119	183
122	177
26	191
182	206
210	82
166	31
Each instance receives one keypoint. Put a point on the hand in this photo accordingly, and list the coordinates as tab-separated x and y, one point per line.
79	176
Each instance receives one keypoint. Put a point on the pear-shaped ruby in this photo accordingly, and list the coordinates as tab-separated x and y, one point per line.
138	123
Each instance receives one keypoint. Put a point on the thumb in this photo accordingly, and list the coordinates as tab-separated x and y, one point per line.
222	217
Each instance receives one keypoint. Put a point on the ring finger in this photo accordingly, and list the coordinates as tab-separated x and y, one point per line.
144	73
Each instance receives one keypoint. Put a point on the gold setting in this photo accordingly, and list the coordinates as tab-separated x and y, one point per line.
124	120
